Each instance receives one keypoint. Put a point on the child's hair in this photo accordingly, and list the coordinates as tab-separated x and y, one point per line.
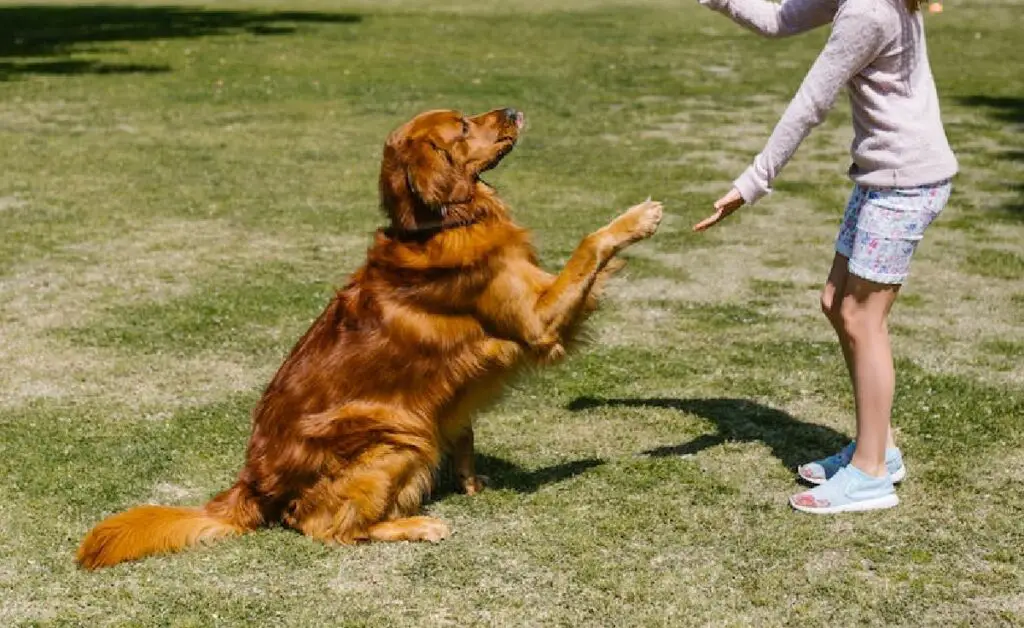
913	5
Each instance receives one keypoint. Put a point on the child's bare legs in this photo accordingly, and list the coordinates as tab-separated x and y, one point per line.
858	478
858	310
864	311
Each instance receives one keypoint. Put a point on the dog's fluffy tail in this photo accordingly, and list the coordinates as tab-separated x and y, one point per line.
148	530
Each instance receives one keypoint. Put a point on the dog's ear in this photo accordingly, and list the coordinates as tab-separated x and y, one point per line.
434	177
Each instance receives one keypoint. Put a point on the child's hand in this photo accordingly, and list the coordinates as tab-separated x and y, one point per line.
723	207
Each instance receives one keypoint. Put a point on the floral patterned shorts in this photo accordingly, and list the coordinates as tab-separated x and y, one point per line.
882	226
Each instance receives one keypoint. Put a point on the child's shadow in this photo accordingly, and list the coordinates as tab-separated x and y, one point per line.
792	441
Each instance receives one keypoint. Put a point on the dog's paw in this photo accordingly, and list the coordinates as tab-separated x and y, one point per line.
474	485
431	530
638	222
552	354
647	217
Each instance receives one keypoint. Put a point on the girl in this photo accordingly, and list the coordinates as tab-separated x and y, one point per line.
902	166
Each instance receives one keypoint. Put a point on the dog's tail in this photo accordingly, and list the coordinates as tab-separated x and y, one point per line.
148	530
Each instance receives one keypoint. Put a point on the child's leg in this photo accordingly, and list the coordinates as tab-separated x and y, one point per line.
864	334
833	297
880	230
859	478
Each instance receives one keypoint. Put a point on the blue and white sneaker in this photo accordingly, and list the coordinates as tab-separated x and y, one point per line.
849	490
819	471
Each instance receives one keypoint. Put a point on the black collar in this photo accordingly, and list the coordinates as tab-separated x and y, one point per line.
424	232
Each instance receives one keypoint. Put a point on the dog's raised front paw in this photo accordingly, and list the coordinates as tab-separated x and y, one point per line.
638	222
647	217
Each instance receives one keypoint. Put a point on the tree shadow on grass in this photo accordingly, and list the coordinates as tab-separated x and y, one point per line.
78	66
792	441
30	35
1007	109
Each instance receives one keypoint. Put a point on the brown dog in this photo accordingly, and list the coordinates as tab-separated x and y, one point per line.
349	433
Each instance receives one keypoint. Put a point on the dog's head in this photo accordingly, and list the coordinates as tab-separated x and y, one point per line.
432	163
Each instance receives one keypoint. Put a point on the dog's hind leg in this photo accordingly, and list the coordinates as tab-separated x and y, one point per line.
385	487
384	480
401	480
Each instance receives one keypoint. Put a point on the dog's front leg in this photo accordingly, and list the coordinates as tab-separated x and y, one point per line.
465	466
561	303
536	309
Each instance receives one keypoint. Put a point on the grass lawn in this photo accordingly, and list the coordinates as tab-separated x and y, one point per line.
182	187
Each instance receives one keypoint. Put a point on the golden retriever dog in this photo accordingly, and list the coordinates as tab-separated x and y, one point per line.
349	433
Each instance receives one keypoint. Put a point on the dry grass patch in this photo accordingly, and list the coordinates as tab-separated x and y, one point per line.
962	311
159	263
754	250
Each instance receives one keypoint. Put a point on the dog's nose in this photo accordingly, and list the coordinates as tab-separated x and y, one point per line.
514	116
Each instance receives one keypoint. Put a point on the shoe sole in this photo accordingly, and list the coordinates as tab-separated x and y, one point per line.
896	478
878	503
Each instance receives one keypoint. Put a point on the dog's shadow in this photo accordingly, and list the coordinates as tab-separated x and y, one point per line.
792	441
502	474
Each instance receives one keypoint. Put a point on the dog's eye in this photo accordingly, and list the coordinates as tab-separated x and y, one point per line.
465	127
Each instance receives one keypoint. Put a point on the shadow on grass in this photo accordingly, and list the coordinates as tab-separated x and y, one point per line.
507	475
792	441
1010	110
1005	108
29	33
68	67
502	474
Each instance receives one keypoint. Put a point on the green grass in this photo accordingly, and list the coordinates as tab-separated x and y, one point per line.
181	188
243	317
996	264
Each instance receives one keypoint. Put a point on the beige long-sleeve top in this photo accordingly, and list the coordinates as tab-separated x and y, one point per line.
877	50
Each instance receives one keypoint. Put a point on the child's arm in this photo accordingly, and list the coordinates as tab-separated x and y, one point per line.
772	19
858	36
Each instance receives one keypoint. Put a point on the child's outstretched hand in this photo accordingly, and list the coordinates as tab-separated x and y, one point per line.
723	207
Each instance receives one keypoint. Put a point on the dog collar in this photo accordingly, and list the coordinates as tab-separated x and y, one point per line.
427	230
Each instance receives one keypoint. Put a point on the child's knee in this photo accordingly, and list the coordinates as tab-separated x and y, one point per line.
857	321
